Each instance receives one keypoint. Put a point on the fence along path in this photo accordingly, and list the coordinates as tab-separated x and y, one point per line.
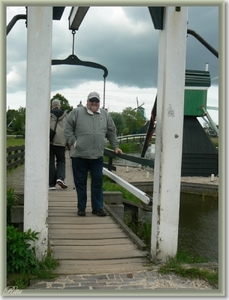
91	244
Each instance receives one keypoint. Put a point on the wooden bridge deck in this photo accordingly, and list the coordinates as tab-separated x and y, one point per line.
91	244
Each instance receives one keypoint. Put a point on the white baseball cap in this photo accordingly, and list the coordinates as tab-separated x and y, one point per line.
93	95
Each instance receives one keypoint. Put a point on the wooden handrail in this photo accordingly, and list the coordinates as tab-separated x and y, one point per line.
139	160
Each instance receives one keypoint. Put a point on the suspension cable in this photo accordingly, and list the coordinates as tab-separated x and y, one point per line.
104	87
73	41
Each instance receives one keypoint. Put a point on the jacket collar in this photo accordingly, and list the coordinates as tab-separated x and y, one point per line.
91	113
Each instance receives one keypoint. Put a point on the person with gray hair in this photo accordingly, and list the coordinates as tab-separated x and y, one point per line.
57	147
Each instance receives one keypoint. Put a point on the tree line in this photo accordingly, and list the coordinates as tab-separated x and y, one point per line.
129	121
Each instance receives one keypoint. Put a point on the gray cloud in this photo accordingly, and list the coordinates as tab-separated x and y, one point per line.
129	49
127	52
124	41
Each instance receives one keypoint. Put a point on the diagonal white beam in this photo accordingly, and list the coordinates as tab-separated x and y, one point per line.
129	187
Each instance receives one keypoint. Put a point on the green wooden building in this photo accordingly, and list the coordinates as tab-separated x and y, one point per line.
200	156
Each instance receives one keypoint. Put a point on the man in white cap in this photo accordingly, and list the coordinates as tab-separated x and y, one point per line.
86	131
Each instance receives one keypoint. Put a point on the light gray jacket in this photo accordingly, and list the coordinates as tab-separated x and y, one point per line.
88	132
59	138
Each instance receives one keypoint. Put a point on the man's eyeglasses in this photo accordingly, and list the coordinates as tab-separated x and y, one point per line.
94	100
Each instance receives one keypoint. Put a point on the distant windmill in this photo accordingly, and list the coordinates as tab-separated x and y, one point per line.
138	104
140	109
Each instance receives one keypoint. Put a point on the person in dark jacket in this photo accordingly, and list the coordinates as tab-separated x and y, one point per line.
57	147
86	131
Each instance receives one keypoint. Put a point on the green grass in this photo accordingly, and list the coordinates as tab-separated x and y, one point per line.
130	147
110	186
175	265
15	142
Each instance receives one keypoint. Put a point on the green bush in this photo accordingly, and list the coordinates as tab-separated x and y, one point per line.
21	257
47	265
11	200
22	264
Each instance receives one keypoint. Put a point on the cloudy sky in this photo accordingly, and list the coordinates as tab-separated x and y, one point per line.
124	40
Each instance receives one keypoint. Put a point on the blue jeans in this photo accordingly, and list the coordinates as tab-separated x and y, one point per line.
56	164
80	168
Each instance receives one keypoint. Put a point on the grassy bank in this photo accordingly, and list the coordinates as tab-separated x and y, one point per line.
15	142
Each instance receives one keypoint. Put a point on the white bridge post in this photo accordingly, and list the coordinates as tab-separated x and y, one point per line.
169	134
39	50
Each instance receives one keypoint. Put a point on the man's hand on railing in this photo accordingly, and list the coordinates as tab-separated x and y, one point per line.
139	160
117	151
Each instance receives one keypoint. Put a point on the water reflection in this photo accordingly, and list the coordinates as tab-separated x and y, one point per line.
198	225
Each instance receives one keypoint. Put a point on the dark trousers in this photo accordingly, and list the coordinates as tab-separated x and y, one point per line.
56	164
81	167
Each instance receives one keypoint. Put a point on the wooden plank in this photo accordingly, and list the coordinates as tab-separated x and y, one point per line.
66	205
62	214
61	197
89	231
87	236
79	220
55	212
61	204
80	226
104	262
63	209
56	242
64	194
94	248
77	267
124	268
92	255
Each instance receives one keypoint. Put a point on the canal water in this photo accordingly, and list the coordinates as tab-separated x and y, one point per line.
198	225
198	221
